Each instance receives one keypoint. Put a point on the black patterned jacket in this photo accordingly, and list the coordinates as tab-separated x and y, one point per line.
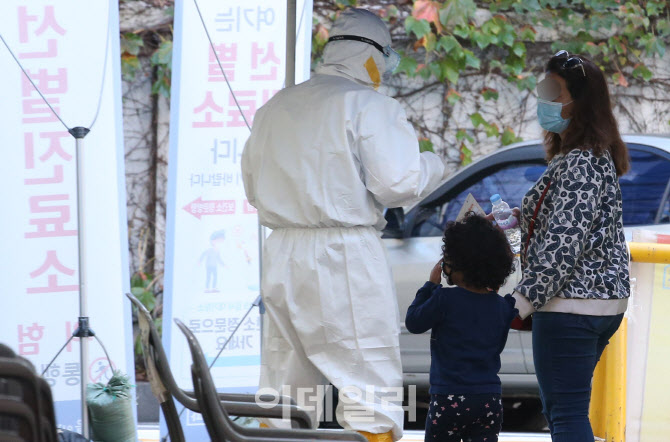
578	250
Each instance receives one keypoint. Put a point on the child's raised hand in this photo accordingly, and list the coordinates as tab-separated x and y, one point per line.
436	273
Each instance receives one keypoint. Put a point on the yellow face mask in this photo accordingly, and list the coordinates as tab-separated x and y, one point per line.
373	72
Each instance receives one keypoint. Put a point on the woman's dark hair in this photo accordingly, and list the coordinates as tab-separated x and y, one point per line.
593	124
479	250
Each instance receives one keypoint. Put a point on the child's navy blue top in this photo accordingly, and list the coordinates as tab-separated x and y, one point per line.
469	331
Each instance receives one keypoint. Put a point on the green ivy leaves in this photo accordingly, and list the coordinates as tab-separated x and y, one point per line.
447	31
425	145
417	27
616	34
131	44
161	60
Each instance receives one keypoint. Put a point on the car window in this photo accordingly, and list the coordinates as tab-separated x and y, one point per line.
645	192
511	182
643	189
664	217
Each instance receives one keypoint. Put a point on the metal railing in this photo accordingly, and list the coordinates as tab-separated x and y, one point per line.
649	252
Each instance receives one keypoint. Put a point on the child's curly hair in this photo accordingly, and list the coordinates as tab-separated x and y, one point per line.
479	250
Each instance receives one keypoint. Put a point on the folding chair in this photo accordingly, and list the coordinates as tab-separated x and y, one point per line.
48	415
166	390
19	412
20	383
215	413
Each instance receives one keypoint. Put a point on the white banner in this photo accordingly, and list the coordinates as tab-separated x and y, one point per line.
212	259
62	46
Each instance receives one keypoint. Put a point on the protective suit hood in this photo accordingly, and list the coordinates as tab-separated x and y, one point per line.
355	60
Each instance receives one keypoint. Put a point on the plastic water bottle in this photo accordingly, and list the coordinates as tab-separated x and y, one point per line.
507	222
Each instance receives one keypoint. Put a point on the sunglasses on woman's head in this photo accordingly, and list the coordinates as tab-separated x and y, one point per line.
570	62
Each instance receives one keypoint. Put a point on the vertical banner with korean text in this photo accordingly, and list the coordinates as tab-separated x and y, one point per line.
212	250
63	47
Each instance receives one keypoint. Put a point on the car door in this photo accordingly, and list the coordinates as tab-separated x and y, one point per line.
413	256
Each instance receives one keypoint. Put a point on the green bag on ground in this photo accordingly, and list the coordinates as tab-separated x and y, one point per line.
110	409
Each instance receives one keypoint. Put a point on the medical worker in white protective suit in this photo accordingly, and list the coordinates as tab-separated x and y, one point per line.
323	160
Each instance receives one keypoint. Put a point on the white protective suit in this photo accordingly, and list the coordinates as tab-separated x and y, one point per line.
323	160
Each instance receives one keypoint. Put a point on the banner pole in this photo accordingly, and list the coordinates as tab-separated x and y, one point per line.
83	331
291	12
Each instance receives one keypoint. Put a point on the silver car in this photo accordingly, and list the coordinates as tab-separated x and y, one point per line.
413	237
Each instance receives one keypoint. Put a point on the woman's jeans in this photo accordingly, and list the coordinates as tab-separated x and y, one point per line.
566	349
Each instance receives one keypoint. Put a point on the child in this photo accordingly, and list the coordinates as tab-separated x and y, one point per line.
469	323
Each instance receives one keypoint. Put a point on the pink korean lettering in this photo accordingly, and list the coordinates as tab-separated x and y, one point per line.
210	108
47	83
47	24
54	267
29	337
50	226
39	111
264	62
248	208
55	147
228	57
247	101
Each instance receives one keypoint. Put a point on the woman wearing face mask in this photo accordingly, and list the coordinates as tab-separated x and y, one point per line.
574	258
